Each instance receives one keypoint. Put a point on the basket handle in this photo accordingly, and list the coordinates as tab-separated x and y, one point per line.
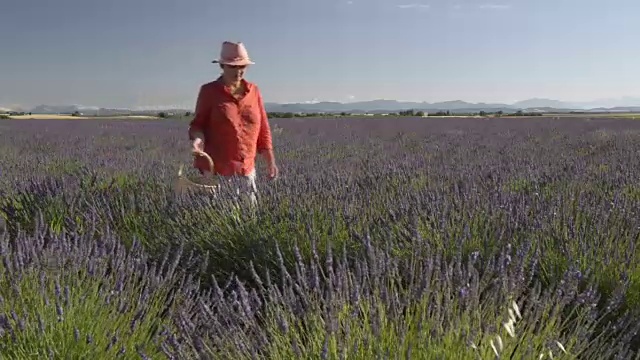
202	153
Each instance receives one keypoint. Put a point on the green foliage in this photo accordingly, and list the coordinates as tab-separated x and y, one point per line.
65	315
562	205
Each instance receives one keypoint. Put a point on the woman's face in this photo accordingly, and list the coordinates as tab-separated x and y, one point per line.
233	72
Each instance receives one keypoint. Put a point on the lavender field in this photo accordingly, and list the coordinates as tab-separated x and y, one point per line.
394	238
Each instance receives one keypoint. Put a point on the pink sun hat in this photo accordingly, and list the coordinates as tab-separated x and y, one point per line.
233	54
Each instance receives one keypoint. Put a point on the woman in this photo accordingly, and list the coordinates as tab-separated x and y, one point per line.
230	122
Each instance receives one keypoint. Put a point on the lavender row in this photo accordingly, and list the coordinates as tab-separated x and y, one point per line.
77	296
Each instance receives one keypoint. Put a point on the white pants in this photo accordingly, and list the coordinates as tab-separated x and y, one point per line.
244	185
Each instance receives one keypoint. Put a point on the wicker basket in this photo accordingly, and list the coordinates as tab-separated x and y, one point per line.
183	185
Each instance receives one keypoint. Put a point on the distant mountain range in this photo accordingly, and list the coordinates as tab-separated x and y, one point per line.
377	106
383	106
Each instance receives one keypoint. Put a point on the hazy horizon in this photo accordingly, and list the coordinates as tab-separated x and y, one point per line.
157	53
617	102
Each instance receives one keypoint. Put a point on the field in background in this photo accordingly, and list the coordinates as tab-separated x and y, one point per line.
430	237
187	116
597	115
74	117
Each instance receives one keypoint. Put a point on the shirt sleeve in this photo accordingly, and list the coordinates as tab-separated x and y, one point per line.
264	136
196	127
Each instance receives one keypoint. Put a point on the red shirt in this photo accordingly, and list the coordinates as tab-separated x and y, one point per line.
233	130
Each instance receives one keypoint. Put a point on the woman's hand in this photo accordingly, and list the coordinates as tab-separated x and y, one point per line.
272	170
198	145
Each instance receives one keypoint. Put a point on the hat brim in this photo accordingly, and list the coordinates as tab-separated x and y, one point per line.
237	62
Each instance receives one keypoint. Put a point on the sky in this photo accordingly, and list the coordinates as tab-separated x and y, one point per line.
155	53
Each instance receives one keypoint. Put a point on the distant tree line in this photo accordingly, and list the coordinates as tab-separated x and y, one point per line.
15	113
289	115
164	115
408	113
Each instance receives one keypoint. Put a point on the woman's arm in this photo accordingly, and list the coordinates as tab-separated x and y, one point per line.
196	126
265	142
